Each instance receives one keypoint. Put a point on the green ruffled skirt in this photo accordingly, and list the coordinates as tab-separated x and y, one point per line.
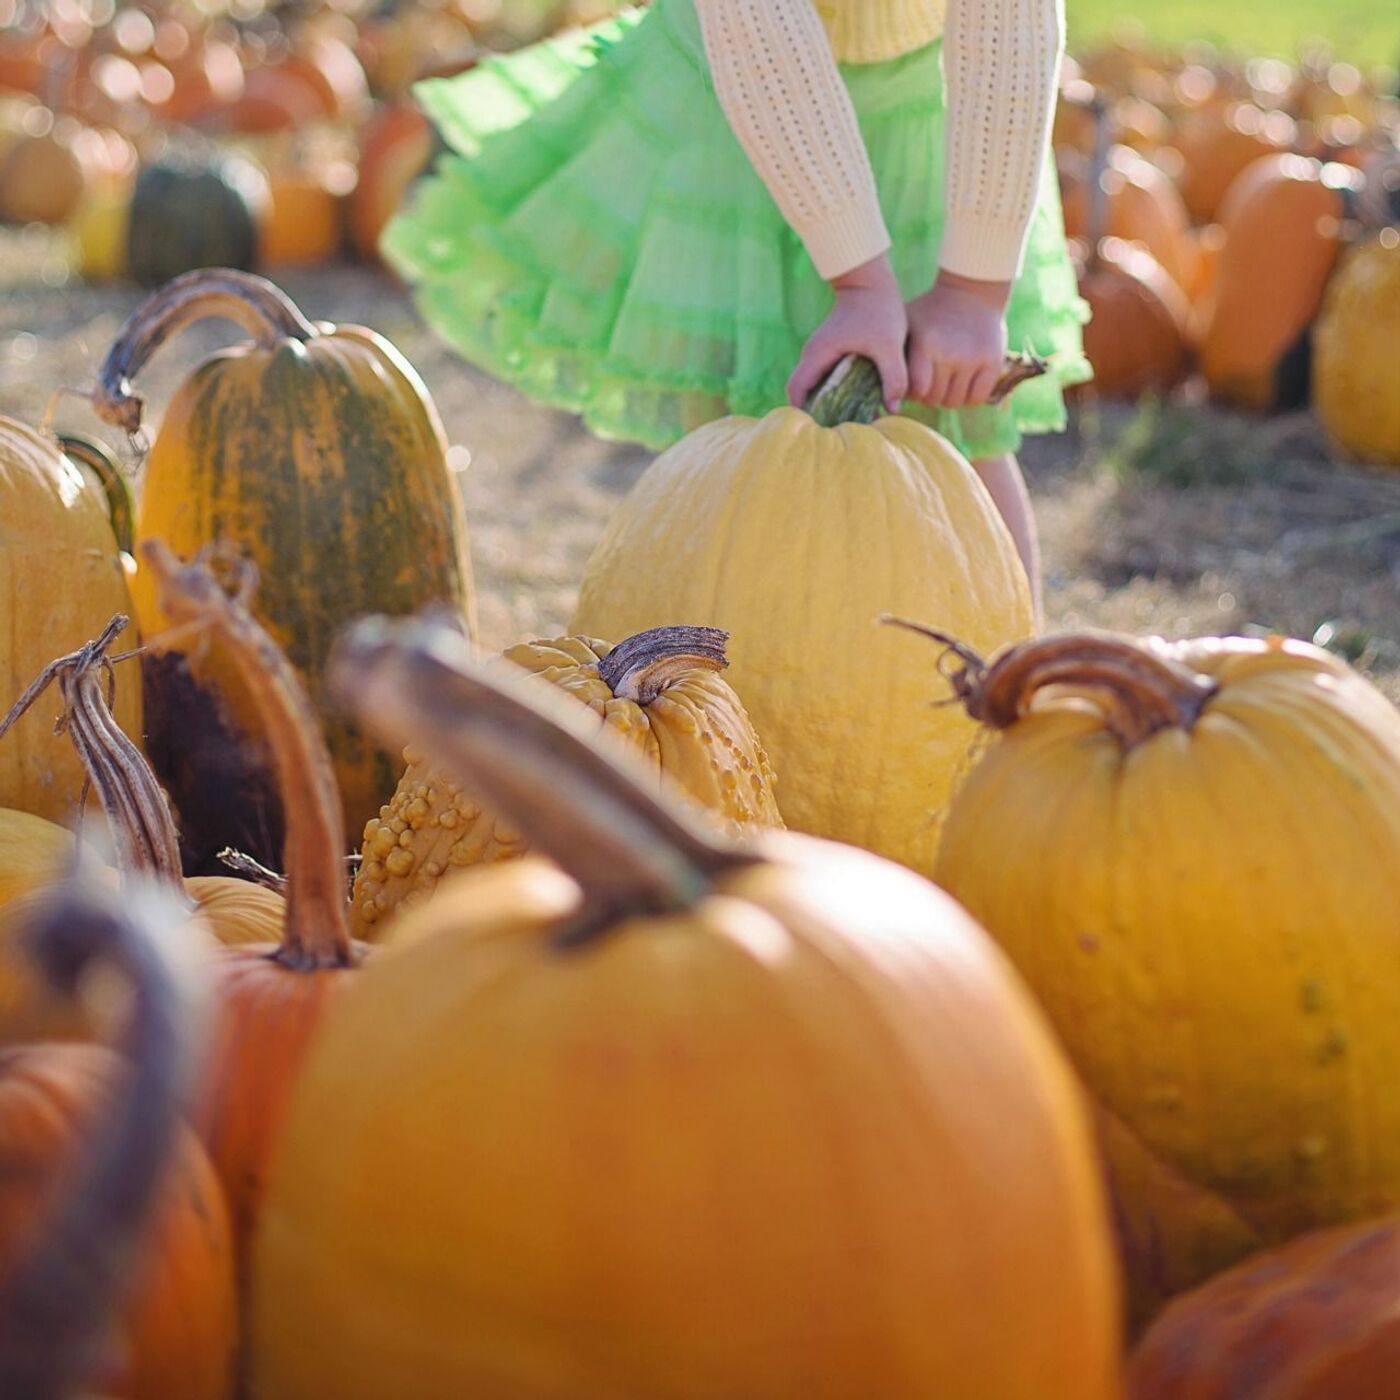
597	237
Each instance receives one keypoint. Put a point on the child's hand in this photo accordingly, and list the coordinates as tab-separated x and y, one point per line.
957	341
868	319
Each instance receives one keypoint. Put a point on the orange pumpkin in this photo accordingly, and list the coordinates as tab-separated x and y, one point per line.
303	220
1318	1319
1136	339
1282	232
395	148
1217	147
270	997
109	1209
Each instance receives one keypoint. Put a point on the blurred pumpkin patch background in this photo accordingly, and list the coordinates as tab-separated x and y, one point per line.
1244	159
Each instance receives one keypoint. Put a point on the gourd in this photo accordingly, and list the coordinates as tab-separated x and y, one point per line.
56	544
314	452
892	518
1282	232
778	1109
1313	1320
193	209
111	1219
1357	351
661	690
269	997
1192	854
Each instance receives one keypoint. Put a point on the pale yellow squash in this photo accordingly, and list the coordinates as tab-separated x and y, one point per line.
1192	853
795	538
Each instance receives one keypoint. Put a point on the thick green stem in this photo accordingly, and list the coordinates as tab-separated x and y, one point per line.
538	758
121	506
254	303
57	1299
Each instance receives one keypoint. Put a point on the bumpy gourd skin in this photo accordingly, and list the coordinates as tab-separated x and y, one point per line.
795	538
695	733
1212	919
1356	353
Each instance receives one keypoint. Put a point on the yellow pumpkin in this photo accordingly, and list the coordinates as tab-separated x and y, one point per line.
1192	853
795	538
32	852
660	690
692	1120
1356	352
314	452
61	580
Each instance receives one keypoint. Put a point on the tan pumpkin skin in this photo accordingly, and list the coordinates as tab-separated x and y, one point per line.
177	1331
61	581
1282	227
237	911
695	733
1314	1320
32	852
324	463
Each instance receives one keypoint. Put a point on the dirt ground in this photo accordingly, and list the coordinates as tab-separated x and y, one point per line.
1166	518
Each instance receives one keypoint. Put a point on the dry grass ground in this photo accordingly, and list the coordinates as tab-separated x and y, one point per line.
1174	519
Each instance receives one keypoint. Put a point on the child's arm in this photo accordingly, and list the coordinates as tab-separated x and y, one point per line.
778	84
1000	61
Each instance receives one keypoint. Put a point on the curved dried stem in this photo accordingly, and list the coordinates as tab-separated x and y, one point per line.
539	759
317	928
254	303
56	1301
137	812
640	667
1140	690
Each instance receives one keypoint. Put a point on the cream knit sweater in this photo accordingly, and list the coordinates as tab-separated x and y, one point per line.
774	69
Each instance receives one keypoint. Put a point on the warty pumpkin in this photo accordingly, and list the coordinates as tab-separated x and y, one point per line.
1313	1320
315	451
116	1264
269	997
1192	853
1282	229
1356	359
661	690
893	518
56	546
689	1091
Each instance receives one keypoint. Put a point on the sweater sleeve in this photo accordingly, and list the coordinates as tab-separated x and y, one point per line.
777	82
1000	60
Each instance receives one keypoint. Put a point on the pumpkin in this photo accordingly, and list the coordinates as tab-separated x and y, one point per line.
42	177
276	97
1282	227
395	147
98	228
193	209
893	517
1137	334
111	1219
270	996
1357	350
1217	147
1201	247
56	544
302	223
1313	1320
661	690
32	852
1192	853
550	1137
316	452
1142	206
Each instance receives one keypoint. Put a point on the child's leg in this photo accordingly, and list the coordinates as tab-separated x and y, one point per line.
1002	477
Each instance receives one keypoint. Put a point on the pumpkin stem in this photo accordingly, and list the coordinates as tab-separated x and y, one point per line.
137	812
541	762
641	667
316	932
56	1301
121	508
1142	691
852	392
266	312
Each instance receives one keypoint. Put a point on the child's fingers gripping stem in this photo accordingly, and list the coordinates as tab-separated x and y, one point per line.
868	318
957	341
